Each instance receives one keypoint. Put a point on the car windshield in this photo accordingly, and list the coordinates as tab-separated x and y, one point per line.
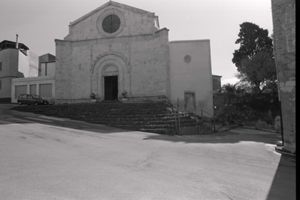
22	95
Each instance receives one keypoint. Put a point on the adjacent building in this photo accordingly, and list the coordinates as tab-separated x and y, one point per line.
47	65
42	84
15	61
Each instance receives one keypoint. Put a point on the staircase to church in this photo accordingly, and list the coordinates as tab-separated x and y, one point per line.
158	117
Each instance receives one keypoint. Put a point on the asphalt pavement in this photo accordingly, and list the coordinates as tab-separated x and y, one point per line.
49	158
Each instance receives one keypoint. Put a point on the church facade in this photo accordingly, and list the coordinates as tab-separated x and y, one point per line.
120	51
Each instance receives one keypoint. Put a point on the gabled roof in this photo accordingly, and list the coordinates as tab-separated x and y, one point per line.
111	3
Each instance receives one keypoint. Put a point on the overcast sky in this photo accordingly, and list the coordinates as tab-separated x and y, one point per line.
39	22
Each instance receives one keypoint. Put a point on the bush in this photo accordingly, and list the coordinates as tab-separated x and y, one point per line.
247	108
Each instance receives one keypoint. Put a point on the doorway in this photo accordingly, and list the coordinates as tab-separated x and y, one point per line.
110	88
189	102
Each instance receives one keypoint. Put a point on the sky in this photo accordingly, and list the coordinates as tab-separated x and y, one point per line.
39	22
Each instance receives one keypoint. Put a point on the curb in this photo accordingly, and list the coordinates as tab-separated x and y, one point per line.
226	128
260	129
281	150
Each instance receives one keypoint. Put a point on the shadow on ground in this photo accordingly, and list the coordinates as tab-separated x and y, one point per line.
284	182
10	116
233	136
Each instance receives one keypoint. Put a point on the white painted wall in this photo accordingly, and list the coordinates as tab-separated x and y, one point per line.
9	60
195	76
23	64
29	82
28	64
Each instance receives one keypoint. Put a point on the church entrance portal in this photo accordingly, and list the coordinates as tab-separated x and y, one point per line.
110	88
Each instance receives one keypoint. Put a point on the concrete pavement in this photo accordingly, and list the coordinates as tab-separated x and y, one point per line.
52	158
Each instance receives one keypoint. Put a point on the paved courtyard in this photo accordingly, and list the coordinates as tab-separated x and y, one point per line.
50	158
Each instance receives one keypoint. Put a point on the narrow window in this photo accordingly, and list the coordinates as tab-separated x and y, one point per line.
45	69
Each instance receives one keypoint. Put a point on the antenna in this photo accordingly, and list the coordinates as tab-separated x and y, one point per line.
17	43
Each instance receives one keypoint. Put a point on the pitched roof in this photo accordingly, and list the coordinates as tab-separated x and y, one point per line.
111	3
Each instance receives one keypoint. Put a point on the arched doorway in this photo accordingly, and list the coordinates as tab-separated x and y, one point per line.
110	71
110	79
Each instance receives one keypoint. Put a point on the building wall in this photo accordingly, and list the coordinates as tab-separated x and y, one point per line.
133	22
47	69
33	64
284	42
5	87
15	64
146	63
46	65
28	64
191	75
9	60
44	86
142	62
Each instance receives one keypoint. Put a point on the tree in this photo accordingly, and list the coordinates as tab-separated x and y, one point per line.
254	59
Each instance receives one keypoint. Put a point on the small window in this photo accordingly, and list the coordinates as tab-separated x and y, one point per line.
0	84
187	58
0	66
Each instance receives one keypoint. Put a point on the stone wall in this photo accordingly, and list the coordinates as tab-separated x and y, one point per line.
284	42
133	22
142	62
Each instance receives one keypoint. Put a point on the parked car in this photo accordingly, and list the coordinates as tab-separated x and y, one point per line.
31	99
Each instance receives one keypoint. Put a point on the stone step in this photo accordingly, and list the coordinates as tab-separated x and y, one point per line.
141	119
159	131
128	122
150	117
150	125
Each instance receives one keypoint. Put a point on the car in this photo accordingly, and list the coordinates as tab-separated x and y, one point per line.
31	99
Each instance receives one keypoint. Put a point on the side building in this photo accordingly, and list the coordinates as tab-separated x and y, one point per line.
16	61
42	84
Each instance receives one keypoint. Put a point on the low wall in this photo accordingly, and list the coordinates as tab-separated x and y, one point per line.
33	85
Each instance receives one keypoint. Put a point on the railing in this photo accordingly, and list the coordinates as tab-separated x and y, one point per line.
200	120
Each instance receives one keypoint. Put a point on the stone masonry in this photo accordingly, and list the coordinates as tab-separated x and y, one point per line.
283	12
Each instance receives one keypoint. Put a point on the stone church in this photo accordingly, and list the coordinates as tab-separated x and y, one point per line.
120	51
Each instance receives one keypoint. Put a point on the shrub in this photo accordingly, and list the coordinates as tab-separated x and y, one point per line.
93	95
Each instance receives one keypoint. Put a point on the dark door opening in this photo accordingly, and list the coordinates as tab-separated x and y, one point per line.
110	88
